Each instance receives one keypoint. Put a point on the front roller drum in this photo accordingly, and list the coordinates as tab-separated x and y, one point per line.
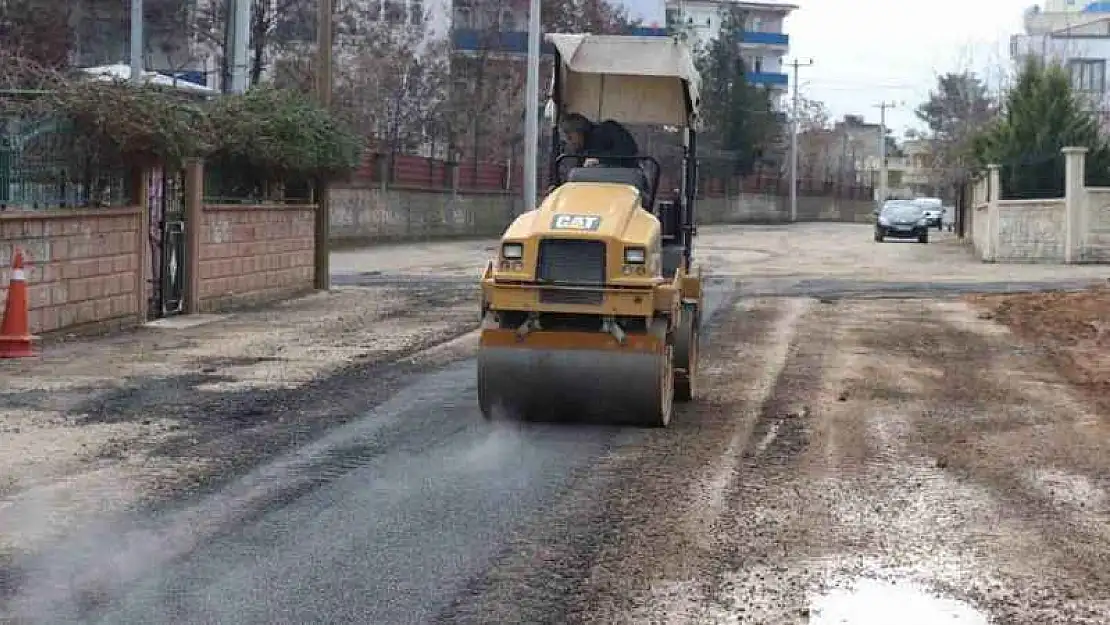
557	376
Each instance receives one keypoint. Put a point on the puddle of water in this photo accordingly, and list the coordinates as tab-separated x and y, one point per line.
874	602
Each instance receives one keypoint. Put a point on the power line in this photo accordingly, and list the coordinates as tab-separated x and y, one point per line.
796	64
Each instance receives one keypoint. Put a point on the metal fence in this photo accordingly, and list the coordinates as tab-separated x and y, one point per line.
231	183
43	167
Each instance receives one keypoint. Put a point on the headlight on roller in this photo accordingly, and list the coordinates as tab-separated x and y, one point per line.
512	251
634	255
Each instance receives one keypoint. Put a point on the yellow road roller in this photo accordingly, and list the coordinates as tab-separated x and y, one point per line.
590	310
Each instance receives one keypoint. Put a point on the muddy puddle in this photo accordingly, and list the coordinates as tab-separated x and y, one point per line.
877	602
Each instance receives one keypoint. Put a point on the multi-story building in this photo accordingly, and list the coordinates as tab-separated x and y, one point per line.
1073	33
763	43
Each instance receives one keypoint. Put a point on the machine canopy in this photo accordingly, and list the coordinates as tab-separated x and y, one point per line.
629	79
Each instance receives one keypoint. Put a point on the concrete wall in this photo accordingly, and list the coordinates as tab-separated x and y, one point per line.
362	215
1071	229
254	253
83	266
1031	231
1097	244
980	230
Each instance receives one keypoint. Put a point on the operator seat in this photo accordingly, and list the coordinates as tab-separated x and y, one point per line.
633	176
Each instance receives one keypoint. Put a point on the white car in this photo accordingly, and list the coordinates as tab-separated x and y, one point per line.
934	209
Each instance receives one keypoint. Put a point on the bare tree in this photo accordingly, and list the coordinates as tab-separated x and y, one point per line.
956	110
38	30
274	27
393	85
488	112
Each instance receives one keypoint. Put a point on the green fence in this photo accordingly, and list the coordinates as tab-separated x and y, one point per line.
43	167
226	183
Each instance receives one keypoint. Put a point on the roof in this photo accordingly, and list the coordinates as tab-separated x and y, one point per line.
755	4
121	72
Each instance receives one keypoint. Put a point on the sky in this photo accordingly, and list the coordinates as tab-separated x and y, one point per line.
868	51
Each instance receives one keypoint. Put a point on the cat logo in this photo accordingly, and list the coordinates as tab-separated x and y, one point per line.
588	223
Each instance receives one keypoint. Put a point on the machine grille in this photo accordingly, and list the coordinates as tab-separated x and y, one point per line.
577	261
568	296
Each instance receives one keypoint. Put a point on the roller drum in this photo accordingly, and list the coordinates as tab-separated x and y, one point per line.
583	385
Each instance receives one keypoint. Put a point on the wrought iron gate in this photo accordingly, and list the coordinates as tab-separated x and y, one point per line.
168	247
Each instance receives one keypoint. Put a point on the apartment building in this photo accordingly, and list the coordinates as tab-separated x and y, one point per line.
1071	32
763	42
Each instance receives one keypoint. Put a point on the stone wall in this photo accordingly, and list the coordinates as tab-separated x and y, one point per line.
1031	231
83	265
254	253
1097	244
361	214
1071	229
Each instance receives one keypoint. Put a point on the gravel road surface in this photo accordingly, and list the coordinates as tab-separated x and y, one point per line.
867	449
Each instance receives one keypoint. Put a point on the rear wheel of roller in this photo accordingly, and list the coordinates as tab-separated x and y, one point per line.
686	354
660	405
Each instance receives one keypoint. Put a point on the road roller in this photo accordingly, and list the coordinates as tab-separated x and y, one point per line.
590	308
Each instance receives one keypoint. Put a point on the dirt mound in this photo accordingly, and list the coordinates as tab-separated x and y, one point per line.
1073	327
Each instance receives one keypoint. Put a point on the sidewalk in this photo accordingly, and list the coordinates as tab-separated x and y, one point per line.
102	424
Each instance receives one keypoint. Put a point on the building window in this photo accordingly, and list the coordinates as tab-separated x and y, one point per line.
395	11
1088	75
416	12
464	17
374	10
757	65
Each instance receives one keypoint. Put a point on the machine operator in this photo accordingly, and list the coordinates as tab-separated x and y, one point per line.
603	144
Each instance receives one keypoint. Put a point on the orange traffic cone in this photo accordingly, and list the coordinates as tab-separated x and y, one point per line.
15	331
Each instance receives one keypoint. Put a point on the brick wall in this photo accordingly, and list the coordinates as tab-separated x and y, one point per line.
254	253
84	265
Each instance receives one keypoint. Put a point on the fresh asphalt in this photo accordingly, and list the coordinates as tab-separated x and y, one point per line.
384	520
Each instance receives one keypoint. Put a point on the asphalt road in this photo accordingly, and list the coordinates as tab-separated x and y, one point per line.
384	520
827	443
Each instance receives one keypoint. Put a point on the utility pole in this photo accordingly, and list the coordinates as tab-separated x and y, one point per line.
239	48
322	264
796	64
531	107
883	106
137	41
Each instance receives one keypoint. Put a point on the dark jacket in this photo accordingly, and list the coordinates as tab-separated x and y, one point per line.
611	139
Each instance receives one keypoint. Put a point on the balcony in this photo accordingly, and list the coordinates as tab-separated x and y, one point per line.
516	42
764	39
768	79
510	42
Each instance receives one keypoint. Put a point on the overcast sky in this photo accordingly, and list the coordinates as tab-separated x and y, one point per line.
867	51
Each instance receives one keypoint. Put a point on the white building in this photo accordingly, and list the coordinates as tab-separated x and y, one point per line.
1073	33
763	42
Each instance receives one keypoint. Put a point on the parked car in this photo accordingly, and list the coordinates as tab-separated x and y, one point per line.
902	219
934	210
